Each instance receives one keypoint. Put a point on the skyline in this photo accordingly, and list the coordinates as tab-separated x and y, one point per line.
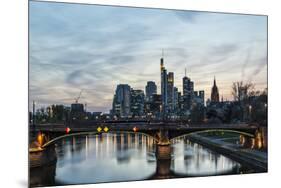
69	53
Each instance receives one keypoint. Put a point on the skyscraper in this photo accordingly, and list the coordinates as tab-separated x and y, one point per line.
199	97
215	92
180	101
164	84
188	92
176	99
202	96
170	92
122	100
137	102
150	89
155	105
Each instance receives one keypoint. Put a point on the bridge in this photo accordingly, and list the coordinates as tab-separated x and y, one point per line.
161	131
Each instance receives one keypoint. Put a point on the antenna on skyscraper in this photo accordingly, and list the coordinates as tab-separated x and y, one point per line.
162	53
185	72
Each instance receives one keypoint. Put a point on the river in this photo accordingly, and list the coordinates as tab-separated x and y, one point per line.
128	157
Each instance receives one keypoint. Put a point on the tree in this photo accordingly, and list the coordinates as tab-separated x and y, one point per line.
197	113
250	105
241	91
58	112
259	108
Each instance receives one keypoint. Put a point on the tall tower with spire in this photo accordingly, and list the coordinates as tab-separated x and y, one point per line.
162	62
164	84
215	92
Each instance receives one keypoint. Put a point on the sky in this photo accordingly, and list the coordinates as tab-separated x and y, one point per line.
74	47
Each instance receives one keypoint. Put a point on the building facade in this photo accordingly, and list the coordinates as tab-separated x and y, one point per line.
199	97
137	103
170	93
121	106
176	99
188	92
77	110
150	89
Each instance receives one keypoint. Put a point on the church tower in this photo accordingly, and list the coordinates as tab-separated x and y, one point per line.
215	92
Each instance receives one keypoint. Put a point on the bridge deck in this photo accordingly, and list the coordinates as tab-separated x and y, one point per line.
171	131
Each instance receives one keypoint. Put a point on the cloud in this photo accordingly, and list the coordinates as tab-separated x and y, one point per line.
246	62
187	16
224	49
74	47
261	65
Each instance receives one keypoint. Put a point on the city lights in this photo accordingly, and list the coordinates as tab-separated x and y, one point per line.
99	129
67	130
135	129
105	129
40	139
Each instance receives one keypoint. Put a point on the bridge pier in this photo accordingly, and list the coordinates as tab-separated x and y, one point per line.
163	148
163	151
163	169
163	155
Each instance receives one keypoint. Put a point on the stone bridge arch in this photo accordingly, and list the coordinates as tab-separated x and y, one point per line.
59	137
174	134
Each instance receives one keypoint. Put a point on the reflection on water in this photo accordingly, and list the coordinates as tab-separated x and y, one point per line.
104	158
126	157
192	159
258	142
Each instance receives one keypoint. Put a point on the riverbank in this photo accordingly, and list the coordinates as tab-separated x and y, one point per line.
248	157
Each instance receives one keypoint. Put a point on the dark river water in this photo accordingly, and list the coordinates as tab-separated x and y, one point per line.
126	157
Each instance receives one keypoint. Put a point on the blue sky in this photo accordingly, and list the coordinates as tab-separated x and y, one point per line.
90	47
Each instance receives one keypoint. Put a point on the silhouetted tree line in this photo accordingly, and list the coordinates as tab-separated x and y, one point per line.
51	114
197	114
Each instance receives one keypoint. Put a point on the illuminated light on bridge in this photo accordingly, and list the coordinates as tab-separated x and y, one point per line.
67	130
259	144
135	129
106	129
99	129
253	143
242	140
258	140
40	139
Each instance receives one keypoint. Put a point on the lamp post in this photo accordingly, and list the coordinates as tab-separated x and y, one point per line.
250	112
161	113
33	118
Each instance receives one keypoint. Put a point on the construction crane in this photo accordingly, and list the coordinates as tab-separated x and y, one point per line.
77	99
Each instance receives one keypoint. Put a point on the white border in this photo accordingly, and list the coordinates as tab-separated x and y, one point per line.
13	82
